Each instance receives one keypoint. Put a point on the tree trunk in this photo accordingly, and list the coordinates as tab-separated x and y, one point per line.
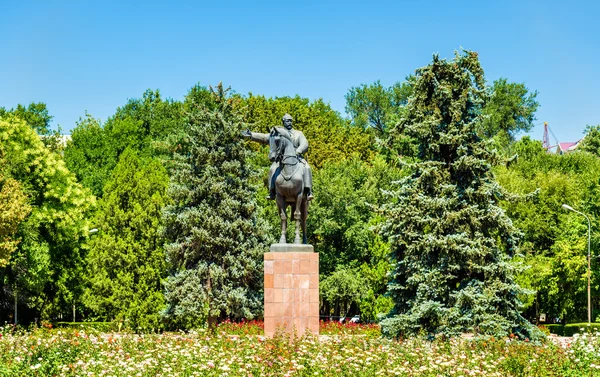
212	319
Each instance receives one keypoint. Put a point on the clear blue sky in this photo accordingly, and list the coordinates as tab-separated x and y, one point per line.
79	56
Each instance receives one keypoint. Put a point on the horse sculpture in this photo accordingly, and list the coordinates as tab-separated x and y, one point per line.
289	182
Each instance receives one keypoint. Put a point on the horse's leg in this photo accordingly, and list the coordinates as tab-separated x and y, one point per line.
304	213
281	204
298	215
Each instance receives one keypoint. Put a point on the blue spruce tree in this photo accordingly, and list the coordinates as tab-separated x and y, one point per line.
215	238
451	242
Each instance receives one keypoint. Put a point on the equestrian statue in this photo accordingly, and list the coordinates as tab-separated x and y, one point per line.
290	176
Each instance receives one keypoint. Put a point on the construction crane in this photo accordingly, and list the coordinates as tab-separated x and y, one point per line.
546	140
560	147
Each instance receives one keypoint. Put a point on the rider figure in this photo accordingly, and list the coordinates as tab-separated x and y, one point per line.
301	145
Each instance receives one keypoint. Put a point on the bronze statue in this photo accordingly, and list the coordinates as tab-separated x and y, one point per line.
290	176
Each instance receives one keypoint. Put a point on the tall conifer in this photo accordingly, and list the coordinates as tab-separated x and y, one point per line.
215	238
126	262
451	241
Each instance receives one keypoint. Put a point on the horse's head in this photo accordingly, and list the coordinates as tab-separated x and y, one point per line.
278	140
275	149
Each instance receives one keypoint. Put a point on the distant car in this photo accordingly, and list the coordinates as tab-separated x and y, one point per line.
355	319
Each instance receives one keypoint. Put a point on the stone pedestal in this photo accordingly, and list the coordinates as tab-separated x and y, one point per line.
291	289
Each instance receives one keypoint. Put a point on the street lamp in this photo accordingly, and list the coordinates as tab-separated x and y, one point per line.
565	206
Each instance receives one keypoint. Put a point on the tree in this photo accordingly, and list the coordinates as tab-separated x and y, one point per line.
451	242
340	227
215	239
342	216
376	106
142	124
509	110
36	115
554	243
126	261
44	267
13	210
88	154
158	117
342	289
591	141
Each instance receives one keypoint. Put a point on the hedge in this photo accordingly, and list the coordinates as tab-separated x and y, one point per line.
573	328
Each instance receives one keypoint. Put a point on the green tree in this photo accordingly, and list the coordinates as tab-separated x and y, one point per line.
591	141
509	110
377	106
342	289
341	218
36	115
142	124
126	261
215	239
340	225
158	117
13	210
45	265
88	154
450	240
554	241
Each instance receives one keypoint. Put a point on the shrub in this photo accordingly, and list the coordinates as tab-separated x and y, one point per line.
98	326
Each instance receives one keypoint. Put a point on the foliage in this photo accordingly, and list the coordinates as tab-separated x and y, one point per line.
591	141
574	328
339	227
36	115
450	240
142	124
555	241
376	106
215	239
87	154
343	288
45	266
126	260
342	214
77	352
158	117
89	326
13	210
509	110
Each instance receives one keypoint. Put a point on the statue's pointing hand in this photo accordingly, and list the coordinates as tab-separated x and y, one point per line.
246	133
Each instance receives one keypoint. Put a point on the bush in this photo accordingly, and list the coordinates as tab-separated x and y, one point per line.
557	329
573	328
98	326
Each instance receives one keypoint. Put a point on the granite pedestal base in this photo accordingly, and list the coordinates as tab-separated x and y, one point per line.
291	289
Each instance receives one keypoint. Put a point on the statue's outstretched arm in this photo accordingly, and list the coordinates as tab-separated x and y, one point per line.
255	136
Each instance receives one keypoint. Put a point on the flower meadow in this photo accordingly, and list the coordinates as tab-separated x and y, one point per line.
71	352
